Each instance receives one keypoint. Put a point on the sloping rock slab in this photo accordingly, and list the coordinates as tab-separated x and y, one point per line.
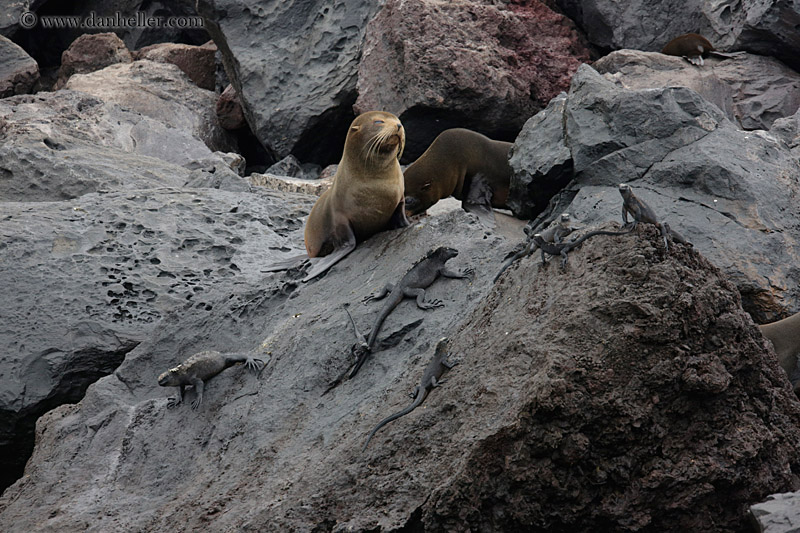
730	192
83	282
257	443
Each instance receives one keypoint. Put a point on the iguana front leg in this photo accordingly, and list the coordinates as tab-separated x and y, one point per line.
174	402
198	389
419	294
466	273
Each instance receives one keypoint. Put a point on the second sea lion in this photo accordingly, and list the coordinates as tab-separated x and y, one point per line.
461	163
366	196
785	337
692	46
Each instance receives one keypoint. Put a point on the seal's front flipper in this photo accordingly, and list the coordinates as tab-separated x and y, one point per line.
399	218
286	264
340	250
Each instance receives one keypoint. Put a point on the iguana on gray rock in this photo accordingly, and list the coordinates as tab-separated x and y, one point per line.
641	212
201	367
413	284
554	233
431	379
564	248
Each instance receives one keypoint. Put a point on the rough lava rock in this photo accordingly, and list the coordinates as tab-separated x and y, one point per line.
753	91
197	62
294	64
229	110
482	65
162	92
581	399
64	144
730	192
91	52
90	284
18	70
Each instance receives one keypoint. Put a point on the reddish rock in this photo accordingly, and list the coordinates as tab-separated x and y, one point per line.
229	110
197	62
466	63
89	53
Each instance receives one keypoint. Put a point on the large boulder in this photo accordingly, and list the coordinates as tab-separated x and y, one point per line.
162	92
65	144
728	191
296	84
91	52
766	27
18	70
487	66
630	392
197	62
752	90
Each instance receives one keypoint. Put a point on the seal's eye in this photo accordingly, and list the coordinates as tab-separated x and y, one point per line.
426	187
378	122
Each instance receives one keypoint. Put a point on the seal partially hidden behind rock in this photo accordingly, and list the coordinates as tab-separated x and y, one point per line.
693	47
461	163
366	196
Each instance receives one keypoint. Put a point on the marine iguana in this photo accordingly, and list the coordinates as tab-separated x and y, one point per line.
555	232
413	284
201	367
564	248
641	212
430	380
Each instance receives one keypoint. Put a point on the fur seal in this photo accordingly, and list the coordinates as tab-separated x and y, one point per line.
692	46
366	196
785	337
461	163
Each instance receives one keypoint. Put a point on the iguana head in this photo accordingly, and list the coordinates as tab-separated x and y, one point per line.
169	378
444	253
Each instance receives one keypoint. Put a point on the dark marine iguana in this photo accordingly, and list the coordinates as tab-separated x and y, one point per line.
564	248
554	233
641	212
201	367
413	284
430	380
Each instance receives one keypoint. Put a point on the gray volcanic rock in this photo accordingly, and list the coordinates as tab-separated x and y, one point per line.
229	110
780	513
487	66
18	70
85	281
581	399
728	191
61	145
91	52
297	83
765	27
162	92
753	91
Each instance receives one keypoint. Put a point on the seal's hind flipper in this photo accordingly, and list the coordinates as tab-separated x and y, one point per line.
340	250
286	264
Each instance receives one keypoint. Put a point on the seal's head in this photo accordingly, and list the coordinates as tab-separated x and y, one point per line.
377	138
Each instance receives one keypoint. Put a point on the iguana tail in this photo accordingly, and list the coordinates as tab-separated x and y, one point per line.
422	392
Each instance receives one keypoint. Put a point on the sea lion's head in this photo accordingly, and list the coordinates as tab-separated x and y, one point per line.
376	138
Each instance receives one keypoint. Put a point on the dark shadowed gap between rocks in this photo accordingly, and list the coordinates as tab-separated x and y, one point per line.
16	446
323	142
